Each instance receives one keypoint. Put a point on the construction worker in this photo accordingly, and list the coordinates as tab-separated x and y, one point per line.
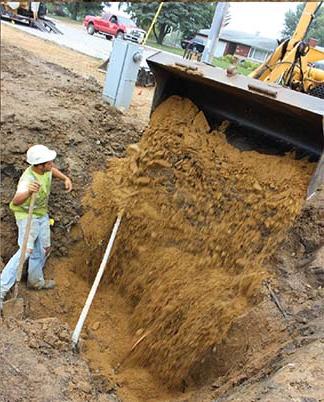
36	178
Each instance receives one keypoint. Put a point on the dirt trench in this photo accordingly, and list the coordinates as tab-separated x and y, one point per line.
181	290
186	302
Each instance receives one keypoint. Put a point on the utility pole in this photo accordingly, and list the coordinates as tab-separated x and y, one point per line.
213	37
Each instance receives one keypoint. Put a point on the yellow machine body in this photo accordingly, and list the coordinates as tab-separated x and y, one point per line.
291	63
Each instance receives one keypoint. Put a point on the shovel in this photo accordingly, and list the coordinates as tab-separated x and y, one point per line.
15	306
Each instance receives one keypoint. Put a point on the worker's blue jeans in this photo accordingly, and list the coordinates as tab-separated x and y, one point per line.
37	246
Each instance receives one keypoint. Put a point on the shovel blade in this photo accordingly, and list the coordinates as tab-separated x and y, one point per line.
13	308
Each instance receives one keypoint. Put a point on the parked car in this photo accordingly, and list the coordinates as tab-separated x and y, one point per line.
184	42
193	44
113	25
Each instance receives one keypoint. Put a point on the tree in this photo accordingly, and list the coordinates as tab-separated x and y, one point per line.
76	10
56	8
80	9
316	29
187	17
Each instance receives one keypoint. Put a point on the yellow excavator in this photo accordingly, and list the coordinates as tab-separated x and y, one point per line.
271	111
293	63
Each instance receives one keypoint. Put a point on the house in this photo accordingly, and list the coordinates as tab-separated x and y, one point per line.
241	44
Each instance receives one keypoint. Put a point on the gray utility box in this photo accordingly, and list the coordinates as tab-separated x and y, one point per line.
121	76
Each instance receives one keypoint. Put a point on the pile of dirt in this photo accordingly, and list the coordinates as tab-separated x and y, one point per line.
201	219
201	227
37	365
58	108
294	379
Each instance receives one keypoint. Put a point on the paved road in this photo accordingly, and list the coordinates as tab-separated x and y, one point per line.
78	39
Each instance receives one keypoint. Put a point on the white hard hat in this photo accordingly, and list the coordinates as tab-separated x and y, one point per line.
40	154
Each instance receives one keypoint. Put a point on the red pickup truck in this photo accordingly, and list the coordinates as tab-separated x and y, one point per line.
112	25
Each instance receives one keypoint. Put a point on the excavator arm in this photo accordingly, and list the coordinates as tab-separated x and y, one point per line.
291	54
303	25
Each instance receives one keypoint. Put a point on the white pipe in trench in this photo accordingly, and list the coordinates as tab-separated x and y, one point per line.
85	310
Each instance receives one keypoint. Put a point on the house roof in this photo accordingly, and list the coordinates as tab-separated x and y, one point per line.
248	39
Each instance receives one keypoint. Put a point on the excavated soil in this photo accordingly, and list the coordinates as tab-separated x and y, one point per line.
57	107
215	280
200	220
37	364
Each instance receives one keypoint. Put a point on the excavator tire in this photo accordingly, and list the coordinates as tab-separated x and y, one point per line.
317	91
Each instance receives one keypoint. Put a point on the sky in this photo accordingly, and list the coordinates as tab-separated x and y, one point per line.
265	18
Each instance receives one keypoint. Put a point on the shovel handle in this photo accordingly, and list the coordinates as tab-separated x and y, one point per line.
24	245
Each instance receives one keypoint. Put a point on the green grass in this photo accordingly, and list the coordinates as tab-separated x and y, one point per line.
242	69
221	62
218	62
245	71
65	19
169	49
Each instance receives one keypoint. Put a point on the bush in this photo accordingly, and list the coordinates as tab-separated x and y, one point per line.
249	64
229	58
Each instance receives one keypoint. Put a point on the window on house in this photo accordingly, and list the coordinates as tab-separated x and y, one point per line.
258	54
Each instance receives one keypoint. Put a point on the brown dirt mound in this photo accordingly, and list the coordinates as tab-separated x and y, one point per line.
42	102
201	218
37	364
258	341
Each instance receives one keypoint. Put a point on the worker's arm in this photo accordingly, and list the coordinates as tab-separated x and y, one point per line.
59	175
21	196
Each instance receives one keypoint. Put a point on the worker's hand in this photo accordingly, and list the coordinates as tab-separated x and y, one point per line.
68	184
34	187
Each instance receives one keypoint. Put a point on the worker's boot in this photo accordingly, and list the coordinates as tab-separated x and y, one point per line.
47	284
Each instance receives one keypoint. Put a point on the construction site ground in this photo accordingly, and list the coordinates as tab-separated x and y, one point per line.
141	342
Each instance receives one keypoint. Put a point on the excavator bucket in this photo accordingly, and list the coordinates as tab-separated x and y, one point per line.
264	117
